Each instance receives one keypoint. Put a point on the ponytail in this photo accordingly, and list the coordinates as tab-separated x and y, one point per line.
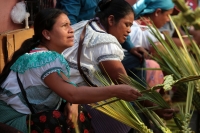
26	47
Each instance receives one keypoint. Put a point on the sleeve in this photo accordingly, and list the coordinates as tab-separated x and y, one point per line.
140	37
58	65
104	52
72	7
128	44
168	27
136	36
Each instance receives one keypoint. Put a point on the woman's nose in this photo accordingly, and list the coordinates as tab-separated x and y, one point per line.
129	30
71	30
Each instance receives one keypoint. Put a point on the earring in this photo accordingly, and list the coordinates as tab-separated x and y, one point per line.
48	38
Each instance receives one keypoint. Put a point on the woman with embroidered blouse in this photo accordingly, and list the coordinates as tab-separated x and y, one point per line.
44	76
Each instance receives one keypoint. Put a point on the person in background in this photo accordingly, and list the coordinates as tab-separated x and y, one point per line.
147	11
35	82
79	10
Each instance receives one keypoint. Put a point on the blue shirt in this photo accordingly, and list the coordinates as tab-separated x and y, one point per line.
79	10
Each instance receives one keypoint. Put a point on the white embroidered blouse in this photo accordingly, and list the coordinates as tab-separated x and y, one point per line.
97	46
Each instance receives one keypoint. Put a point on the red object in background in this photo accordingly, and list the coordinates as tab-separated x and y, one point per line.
192	3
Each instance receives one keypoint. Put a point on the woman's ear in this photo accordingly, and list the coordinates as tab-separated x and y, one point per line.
157	12
46	35
111	20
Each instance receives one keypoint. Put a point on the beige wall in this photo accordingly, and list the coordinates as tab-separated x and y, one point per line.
6	23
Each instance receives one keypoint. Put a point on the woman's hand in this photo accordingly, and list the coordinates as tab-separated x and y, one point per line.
71	113
127	92
166	114
140	52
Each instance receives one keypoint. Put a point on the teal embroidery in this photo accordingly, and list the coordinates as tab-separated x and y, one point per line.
36	60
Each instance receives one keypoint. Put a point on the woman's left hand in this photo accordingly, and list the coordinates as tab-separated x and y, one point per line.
71	113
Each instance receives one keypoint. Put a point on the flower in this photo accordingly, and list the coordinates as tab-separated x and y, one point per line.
85	131
47	131
43	118
56	114
58	130
82	117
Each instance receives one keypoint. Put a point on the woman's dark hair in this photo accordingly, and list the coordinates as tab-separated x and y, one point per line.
45	19
118	8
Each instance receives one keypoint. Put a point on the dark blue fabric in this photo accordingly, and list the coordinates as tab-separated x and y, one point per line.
131	64
78	10
128	45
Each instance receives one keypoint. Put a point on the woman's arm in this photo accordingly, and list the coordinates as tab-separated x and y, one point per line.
112	69
86	94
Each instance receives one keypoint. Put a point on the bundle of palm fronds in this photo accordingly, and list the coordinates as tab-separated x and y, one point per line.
125	112
128	112
182	62
119	109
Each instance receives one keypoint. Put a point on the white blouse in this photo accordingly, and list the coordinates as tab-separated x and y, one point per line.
98	46
141	34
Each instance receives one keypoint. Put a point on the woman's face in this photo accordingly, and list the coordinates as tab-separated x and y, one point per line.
161	18
62	34
122	28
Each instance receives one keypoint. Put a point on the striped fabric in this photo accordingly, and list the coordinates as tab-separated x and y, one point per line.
11	117
103	123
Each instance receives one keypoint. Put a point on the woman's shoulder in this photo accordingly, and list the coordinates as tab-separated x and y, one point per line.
139	27
36	60
99	36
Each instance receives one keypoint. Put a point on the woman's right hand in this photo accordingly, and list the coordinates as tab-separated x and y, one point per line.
127	92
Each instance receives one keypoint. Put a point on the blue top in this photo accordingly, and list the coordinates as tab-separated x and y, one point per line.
78	10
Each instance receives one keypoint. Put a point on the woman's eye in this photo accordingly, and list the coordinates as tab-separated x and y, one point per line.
127	25
64	25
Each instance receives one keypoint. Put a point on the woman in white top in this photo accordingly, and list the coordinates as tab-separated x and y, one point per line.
101	50
148	12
